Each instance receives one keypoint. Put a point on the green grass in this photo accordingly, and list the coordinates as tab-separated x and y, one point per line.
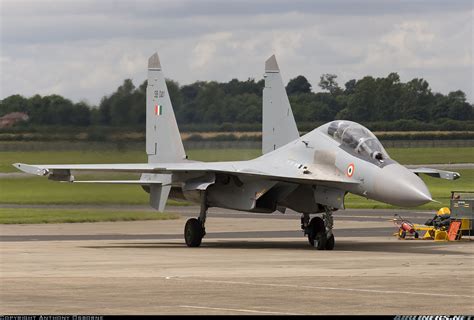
440	191
39	190
23	216
432	155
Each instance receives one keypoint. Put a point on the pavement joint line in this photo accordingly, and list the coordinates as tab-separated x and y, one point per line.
325	288
240	310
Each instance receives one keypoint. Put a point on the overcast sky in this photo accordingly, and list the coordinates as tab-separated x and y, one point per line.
84	49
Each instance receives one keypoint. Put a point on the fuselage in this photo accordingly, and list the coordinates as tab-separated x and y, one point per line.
326	163
349	150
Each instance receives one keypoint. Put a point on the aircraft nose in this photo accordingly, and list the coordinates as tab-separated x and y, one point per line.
397	185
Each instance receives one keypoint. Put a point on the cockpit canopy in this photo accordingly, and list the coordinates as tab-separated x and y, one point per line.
357	138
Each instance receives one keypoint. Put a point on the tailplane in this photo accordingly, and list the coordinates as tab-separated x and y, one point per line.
278	123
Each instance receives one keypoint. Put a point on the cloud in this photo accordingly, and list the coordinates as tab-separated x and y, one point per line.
84	49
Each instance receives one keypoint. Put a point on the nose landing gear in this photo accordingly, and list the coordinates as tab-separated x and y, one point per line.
319	230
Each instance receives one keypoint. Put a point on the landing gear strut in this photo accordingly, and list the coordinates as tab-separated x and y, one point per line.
319	230
195	229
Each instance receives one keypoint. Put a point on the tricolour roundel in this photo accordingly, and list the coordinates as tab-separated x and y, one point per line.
350	170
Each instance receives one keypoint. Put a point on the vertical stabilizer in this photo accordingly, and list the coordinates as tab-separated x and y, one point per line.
278	123
163	141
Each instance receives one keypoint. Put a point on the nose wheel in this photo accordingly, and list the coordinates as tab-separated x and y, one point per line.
319	231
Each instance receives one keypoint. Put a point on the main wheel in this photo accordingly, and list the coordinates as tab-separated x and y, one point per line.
330	242
193	233
317	233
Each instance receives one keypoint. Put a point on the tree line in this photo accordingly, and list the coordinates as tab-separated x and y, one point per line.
238	104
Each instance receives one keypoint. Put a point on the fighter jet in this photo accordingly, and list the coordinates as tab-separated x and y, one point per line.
310	174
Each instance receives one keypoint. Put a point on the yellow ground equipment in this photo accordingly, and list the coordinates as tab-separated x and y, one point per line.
462	210
443	211
449	224
440	234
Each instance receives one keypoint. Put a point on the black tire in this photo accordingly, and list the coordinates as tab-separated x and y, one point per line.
320	241
317	231
403	234
193	233
417	235
330	242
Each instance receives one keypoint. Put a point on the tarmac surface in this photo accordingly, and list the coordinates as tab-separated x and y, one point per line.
247	264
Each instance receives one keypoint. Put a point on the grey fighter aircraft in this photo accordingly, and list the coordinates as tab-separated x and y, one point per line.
310	174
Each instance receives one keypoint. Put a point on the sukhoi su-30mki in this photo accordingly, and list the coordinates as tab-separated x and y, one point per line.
310	174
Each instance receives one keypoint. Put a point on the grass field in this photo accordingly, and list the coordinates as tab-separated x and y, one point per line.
432	155
23	216
39	190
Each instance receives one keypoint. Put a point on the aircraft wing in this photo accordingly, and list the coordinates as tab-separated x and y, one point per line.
261	169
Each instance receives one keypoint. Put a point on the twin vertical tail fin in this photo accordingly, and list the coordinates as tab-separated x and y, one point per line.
163	141
278	124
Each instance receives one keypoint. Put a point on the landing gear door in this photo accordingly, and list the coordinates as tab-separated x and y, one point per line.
331	197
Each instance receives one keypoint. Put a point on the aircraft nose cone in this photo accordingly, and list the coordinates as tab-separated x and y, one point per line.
398	186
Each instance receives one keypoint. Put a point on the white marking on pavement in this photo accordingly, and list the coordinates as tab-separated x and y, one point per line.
240	310
332	288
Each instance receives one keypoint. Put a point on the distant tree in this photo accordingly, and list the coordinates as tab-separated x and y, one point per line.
191	91
350	86
81	114
236	87
328	82
416	98
13	103
361	102
384	100
459	109
175	94
298	85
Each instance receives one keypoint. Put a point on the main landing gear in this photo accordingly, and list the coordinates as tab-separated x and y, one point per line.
195	229
319	230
